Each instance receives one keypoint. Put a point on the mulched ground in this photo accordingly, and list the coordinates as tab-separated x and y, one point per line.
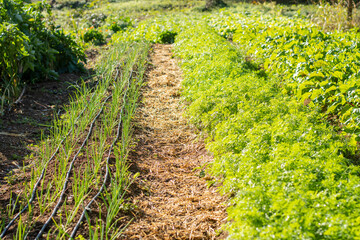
172	197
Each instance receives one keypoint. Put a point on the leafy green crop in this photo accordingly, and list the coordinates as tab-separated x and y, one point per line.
315	65
30	50
13	48
282	164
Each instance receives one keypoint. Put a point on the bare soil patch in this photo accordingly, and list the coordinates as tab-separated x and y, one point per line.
171	195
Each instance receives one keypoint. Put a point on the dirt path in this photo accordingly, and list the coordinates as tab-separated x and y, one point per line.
172	199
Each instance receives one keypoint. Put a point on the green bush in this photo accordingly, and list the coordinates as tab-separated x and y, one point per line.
94	36
31	50
160	29
167	37
120	24
282	164
115	27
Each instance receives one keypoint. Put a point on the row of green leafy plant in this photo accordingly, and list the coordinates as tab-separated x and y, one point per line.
31	49
320	68
113	98
160	29
287	172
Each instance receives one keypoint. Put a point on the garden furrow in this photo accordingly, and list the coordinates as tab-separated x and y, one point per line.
82	164
170	199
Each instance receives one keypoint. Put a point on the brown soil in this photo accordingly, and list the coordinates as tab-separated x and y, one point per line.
31	117
13	183
24	125
26	121
172	197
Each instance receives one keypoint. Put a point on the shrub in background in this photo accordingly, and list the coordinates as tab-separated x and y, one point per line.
94	36
121	24
167	36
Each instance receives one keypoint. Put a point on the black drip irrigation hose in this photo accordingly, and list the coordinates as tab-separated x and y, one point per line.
107	173
69	171
33	193
72	163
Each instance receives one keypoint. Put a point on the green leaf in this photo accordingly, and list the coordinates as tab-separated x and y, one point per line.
320	63
332	88
337	74
316	74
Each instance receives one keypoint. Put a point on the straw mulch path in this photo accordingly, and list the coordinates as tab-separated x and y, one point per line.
173	200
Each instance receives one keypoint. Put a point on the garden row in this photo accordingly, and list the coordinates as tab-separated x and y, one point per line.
284	167
319	68
81	167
